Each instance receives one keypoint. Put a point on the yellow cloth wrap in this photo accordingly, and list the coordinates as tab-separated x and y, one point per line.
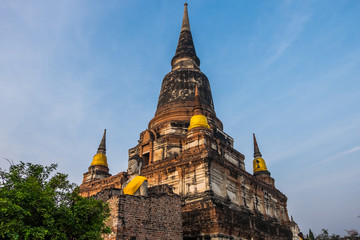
134	185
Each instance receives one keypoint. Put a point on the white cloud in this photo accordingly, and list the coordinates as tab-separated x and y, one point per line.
354	149
285	37
340	155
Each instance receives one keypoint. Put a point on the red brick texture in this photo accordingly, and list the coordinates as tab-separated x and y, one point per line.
145	218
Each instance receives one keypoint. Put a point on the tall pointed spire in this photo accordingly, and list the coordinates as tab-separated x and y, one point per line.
198	119
100	157
259	165
185	55
197	108
176	98
185	23
99	168
257	153
102	145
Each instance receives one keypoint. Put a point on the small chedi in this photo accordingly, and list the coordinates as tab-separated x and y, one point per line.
198	187
135	214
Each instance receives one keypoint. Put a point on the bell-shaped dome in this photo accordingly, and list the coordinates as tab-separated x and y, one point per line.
198	121
99	159
259	165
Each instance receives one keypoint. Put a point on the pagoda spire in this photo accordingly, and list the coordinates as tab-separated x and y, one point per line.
100	157
197	109
99	168
259	165
257	153
185	55
198	119
176	98
185	23
102	145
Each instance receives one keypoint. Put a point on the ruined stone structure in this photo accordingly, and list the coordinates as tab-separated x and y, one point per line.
157	216
186	148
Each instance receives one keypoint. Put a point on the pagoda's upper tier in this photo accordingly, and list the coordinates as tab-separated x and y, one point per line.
179	86
185	55
176	99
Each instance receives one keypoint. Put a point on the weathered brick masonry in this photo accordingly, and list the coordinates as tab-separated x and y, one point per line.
157	216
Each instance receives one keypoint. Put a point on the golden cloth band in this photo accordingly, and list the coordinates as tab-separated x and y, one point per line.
134	185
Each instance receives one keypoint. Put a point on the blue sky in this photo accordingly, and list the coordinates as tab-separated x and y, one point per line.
287	70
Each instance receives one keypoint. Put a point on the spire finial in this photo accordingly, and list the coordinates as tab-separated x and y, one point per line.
197	107
185	55
256	148
185	23
102	146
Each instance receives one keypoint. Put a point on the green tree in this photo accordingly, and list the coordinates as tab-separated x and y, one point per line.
324	235
311	235
36	204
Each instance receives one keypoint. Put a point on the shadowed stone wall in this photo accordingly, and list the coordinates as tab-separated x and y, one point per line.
157	216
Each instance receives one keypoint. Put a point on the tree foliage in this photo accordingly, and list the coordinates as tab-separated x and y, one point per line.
324	235
37	204
352	235
311	235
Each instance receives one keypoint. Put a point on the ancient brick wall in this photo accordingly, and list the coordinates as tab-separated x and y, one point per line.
88	189
157	216
212	219
245	224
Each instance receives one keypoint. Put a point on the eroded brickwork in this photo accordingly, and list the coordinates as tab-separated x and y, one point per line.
218	219
90	188
220	199
157	216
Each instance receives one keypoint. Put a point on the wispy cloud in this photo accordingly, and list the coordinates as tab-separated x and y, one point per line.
340	154
286	35
354	149
319	140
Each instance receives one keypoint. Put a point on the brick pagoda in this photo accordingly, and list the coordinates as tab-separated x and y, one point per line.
185	147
